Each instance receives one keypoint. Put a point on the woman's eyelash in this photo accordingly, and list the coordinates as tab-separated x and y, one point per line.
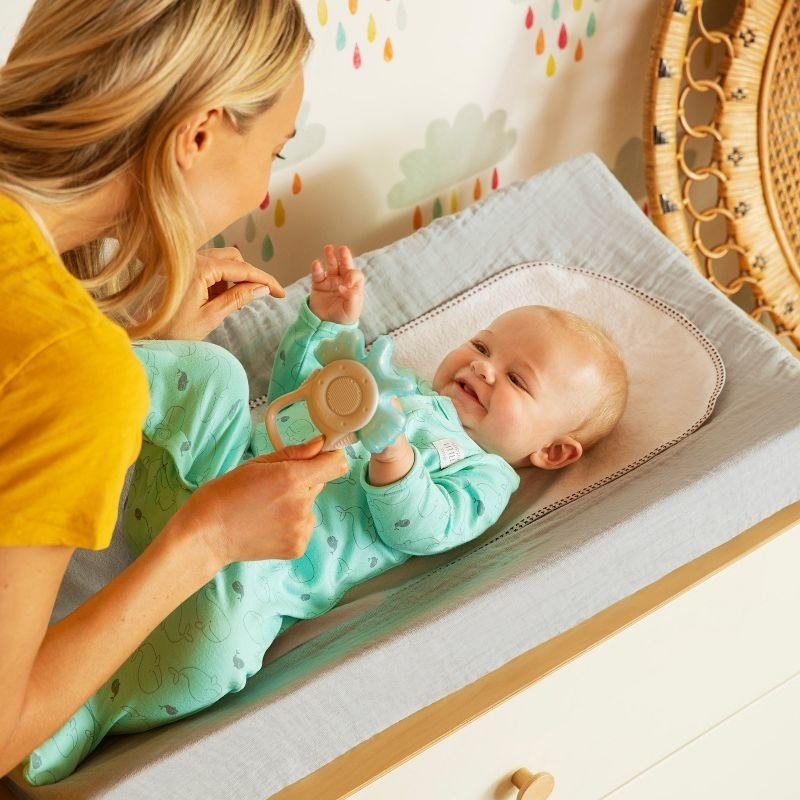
281	157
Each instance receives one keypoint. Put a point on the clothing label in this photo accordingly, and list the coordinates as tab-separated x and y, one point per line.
449	452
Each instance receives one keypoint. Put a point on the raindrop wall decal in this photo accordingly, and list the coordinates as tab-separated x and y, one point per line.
265	202
417	220
495	180
280	214
556	12
529	18
551	66
476	190
540	42
297	184
437	208
562	37
453	202
388	50
267	249
371	29
341	37
250	228
591	25
356	57
579	50
353	5
577	4
322	12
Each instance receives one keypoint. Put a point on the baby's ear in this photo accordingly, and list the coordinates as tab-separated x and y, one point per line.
557	454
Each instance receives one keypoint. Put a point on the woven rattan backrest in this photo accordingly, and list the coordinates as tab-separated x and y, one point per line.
724	182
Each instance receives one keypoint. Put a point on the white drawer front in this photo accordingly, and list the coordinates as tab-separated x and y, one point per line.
752	754
631	701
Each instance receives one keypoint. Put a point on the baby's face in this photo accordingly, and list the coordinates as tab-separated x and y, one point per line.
517	385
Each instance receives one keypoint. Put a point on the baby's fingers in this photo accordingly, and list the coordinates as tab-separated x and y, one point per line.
318	273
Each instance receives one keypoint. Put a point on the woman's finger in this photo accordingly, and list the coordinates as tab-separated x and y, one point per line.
234	298
316	467
235	272
229	253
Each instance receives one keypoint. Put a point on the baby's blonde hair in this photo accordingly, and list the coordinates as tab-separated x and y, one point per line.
605	406
94	90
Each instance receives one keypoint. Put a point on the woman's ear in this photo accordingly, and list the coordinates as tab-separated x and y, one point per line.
558	454
195	135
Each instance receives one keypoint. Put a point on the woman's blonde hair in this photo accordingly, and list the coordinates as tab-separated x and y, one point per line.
94	90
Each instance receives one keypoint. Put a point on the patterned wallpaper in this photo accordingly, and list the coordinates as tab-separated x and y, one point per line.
416	108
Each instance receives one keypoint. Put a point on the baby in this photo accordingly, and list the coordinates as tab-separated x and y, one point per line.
536	388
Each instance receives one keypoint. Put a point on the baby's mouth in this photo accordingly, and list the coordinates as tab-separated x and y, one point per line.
469	391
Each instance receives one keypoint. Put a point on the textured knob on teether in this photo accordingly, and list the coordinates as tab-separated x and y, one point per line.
341	397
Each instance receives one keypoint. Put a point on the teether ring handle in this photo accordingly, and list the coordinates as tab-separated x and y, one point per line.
271	417
341	398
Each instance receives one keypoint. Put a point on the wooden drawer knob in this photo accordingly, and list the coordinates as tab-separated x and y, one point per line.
533	787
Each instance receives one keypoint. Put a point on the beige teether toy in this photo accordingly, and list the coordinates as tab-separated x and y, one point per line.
351	397
341	398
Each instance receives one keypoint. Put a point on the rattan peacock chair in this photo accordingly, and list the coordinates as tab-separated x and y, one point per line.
722	148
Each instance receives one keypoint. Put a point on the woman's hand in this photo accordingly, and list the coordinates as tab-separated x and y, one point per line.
261	509
223	283
264	507
337	288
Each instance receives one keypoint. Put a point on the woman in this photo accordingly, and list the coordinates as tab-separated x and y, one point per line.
150	124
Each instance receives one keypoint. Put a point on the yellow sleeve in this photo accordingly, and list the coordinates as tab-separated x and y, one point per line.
72	417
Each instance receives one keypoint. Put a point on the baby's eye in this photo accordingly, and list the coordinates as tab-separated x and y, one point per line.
516	380
480	347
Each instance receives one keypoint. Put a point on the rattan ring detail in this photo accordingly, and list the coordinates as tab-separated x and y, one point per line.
722	154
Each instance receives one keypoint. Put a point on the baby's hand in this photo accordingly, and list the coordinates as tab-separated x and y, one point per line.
337	289
392	463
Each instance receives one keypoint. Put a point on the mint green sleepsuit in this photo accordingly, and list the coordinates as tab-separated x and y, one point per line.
199	426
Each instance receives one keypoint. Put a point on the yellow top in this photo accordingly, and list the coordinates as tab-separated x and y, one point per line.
72	398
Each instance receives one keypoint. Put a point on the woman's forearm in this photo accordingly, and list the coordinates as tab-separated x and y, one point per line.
79	653
262	509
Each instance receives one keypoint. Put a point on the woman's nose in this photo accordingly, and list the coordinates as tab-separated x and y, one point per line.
483	369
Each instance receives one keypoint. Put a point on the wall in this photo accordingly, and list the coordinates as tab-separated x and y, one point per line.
416	108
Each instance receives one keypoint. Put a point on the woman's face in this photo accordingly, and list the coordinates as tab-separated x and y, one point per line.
228	172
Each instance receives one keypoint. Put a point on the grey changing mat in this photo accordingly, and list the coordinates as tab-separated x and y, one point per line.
396	650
